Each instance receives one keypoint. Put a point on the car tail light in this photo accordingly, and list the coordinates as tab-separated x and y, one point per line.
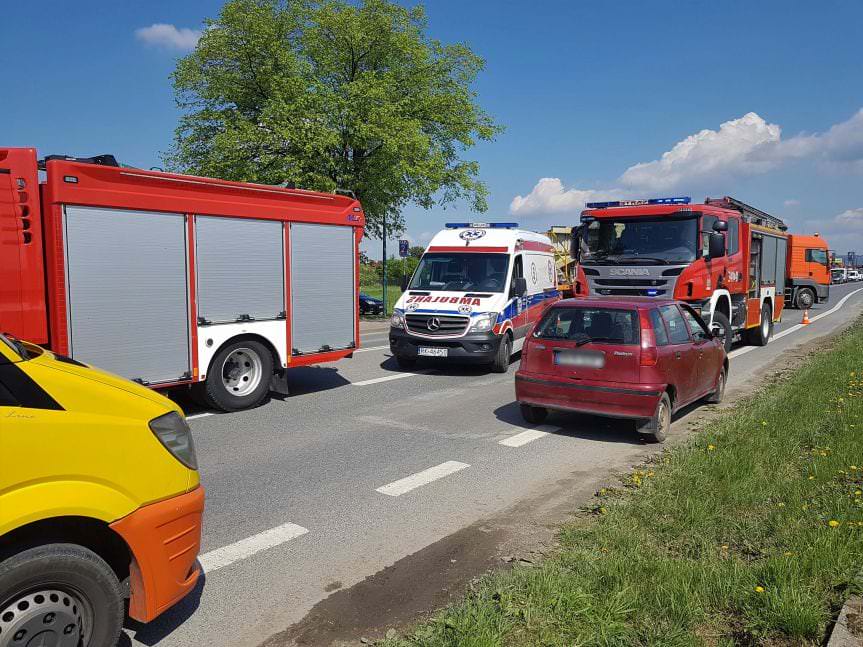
649	353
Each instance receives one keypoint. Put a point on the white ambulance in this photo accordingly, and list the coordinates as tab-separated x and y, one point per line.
476	292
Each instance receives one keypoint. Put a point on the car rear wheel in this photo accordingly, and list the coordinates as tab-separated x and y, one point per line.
719	391
239	376
805	299
504	353
656	429
59	594
721	327
533	415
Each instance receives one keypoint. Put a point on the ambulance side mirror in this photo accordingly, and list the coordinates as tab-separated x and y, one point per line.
519	286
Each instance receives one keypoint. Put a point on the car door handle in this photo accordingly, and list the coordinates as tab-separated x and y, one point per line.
677	355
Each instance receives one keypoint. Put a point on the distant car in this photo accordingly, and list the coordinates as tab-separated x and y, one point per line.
370	305
638	358
853	275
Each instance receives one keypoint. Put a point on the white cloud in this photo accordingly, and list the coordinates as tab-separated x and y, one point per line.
550	196
850	219
792	202
168	36
739	146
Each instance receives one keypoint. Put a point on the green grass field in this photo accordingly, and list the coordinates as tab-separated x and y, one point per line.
751	534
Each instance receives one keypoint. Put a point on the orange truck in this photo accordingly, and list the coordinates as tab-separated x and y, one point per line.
807	271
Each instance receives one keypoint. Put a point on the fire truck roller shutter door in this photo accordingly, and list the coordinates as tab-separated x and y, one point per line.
323	303
240	268
127	302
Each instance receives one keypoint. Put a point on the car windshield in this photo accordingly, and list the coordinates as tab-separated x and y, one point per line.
461	272
585	325
640	240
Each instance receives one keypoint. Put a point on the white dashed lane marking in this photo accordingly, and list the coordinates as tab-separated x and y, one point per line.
412	482
227	555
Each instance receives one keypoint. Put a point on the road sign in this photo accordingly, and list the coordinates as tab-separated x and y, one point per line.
404	248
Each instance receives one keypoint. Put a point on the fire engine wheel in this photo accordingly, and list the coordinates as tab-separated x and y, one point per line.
504	353
239	376
721	327
761	335
655	430
59	594
805	299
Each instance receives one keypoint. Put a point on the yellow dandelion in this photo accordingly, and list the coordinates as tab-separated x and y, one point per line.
824	453
811	478
724	546
780	504
710	448
604	511
763	423
853	468
833	523
857	492
759	589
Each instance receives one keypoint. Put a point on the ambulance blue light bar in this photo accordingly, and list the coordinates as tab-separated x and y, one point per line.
481	225
683	199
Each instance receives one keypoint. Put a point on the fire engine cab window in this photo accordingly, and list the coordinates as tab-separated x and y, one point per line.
816	256
461	272
662	240
732	236
677	332
606	325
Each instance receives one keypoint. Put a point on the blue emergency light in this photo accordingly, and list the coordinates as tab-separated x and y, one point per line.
481	225
683	199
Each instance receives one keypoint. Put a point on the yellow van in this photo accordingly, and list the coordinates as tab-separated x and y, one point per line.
99	500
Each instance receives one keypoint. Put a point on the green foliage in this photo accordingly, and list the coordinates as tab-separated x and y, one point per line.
417	251
328	94
397	266
750	534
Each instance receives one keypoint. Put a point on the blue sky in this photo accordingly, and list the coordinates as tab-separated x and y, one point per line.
611	98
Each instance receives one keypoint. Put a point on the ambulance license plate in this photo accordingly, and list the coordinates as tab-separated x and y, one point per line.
426	351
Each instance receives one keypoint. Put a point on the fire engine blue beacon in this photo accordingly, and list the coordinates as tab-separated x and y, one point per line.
683	199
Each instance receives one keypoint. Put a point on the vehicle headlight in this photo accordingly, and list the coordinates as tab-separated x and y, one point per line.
173	432
483	323
396	320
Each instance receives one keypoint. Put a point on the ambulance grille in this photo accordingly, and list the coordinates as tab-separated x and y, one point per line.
444	326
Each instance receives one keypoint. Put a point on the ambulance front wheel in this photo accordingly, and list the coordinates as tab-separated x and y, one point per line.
239	376
504	353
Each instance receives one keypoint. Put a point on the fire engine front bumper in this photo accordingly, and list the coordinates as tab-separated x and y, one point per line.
478	347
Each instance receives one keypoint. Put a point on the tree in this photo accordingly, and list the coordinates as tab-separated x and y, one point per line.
417	251
328	94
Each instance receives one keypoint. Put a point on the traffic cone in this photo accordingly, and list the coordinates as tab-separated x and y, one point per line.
805	321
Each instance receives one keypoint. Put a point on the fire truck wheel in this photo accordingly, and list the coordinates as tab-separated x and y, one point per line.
239	376
655	430
504	353
721	327
406	363
804	299
59	594
761	335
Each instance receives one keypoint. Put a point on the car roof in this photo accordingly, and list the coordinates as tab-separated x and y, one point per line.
641	303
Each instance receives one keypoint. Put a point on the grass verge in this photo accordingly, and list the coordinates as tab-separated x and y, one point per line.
750	534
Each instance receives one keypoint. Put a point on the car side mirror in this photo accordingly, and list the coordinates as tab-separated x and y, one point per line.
575	243
716	245
720	225
519	286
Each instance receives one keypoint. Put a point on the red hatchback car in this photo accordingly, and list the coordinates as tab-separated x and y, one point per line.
637	358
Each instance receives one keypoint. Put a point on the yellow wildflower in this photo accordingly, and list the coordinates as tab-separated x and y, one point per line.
759	589
710	448
833	523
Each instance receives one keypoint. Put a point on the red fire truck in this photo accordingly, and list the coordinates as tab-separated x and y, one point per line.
175	280
724	257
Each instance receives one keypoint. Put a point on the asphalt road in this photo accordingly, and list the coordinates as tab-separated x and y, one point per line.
363	465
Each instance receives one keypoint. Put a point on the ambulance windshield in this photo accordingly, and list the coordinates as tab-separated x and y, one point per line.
461	272
636	240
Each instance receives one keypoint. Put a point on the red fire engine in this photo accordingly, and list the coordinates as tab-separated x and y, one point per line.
724	257
174	280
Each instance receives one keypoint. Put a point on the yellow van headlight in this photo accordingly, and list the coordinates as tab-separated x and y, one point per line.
173	432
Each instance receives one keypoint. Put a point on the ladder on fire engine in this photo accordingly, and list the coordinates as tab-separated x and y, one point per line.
750	213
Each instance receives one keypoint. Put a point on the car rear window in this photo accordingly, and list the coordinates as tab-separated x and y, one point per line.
608	325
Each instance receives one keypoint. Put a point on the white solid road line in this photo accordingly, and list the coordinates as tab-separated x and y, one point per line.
227	555
199	415
366	350
397	488
525	437
795	328
396	376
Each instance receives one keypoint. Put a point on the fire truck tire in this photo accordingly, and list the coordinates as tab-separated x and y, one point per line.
504	353
721	327
406	363
655	429
239	376
62	594
804	299
761	335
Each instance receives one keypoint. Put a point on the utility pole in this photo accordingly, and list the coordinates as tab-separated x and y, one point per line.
385	263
